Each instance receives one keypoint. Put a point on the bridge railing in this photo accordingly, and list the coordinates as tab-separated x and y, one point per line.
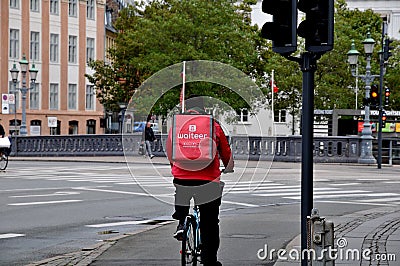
288	149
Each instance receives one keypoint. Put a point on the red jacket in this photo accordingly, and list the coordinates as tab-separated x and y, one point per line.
212	171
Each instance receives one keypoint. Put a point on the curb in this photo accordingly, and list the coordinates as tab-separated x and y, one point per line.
87	255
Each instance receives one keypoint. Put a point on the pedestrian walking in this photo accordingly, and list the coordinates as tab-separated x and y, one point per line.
149	138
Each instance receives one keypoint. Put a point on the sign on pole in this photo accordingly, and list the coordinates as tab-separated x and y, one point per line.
5	108
52	121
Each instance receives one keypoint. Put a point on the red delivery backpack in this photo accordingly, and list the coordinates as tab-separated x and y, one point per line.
193	139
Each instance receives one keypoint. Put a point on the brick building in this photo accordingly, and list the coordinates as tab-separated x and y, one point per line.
59	37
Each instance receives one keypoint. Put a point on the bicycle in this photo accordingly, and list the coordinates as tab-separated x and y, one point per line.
3	160
191	242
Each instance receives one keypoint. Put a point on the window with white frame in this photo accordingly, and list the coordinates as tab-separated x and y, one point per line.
54	48
89	97
14	4
90	9
54	7
89	49
35	5
72	97
72	8
53	96
72	49
280	116
14	43
34	97
34	51
243	115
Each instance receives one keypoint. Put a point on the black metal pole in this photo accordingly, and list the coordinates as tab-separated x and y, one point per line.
381	73
308	67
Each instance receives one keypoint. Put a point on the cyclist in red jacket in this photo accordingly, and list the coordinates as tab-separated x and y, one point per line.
205	187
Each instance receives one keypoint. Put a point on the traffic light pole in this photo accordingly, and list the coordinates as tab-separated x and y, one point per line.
381	74
308	64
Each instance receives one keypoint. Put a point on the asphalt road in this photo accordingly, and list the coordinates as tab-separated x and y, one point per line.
52	208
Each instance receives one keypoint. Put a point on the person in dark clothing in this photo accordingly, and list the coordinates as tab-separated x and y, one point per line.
204	185
2	132
149	138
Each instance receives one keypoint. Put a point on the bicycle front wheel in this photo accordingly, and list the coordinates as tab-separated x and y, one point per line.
3	161
189	255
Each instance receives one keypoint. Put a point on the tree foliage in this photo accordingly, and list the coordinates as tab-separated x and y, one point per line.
162	33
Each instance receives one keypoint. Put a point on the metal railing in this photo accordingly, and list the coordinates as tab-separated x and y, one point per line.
285	149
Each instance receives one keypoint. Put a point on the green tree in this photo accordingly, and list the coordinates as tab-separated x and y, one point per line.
162	33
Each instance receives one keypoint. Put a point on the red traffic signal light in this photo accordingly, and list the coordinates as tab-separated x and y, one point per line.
387	94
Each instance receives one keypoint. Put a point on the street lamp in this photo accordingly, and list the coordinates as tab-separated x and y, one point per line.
122	107
24	89
366	156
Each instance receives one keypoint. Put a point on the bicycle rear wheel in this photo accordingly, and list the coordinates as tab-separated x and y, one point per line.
188	253
3	161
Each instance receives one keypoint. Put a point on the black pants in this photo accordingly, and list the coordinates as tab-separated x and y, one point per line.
207	195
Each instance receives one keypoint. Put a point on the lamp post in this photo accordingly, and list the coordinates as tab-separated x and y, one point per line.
24	89
366	156
122	107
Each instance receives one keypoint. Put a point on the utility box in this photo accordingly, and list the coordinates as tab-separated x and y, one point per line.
320	240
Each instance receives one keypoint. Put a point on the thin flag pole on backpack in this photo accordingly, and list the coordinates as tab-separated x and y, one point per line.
182	96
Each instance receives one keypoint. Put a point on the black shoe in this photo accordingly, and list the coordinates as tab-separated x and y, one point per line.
179	232
151	156
217	263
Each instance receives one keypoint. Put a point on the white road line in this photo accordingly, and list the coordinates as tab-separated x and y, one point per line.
315	192
112	191
392	182
372	179
47	188
263	189
344	184
55	194
119	223
353	203
240	203
43	202
10	235
348	196
381	200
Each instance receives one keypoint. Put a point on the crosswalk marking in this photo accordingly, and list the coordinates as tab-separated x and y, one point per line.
10	235
43	202
162	183
347	196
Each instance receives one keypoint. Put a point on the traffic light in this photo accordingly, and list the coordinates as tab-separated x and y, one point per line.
387	48
282	29
374	96
387	94
317	28
383	119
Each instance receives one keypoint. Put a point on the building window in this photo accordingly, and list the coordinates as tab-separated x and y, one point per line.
35	5
14	43
54	7
89	49
89	97
72	49
14	4
53	96
54	48
72	97
243	115
72	8
34	52
34	97
91	126
90	9
280	116
73	127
